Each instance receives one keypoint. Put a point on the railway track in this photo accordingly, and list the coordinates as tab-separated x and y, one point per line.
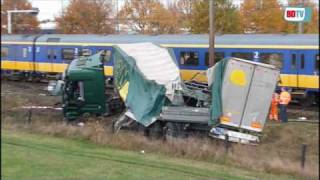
295	110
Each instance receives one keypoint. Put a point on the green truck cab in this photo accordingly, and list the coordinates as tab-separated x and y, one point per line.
84	87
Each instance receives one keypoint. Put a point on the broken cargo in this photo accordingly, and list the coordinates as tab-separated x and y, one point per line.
147	78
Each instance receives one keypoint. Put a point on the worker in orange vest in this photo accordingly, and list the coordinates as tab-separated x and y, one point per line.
284	100
273	115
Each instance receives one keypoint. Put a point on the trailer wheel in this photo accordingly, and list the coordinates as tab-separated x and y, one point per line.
155	130
171	130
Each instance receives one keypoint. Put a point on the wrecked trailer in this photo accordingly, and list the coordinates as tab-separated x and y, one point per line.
146	77
235	103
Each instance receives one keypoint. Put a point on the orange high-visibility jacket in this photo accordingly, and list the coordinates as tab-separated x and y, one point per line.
275	99
285	98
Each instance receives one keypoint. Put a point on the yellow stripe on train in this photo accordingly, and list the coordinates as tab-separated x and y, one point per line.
302	81
290	80
30	66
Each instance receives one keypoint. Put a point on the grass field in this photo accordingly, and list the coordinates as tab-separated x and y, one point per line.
32	156
45	148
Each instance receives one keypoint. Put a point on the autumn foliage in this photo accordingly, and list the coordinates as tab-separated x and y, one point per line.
149	17
21	22
226	17
86	17
165	17
263	16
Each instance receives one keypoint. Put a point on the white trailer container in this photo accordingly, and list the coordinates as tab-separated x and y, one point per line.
247	89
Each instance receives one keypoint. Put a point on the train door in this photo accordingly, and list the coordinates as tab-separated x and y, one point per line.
316	65
297	66
52	57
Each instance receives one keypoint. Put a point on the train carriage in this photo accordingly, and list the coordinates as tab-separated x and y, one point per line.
17	54
296	55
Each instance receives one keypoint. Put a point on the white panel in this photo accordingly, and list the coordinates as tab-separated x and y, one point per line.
155	63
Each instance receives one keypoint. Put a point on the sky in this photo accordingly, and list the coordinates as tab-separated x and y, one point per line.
51	8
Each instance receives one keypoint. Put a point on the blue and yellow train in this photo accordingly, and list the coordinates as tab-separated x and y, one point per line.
296	54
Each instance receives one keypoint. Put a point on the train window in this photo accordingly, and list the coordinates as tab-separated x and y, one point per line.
189	58
293	61
107	54
67	54
24	52
217	57
302	61
275	59
247	56
317	63
85	52
4	51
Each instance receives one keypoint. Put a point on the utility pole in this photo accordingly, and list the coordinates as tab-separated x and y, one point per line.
117	4
212	32
300	24
9	23
62	7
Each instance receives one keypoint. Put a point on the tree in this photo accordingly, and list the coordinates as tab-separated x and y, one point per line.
148	17
21	23
226	17
166	21
86	17
262	16
313	26
182	10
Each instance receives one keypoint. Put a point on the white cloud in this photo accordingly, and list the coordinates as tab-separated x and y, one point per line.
49	8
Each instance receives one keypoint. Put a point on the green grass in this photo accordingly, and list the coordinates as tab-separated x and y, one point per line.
33	156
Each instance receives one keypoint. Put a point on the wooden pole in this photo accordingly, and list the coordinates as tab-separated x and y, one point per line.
303	155
226	143
212	32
